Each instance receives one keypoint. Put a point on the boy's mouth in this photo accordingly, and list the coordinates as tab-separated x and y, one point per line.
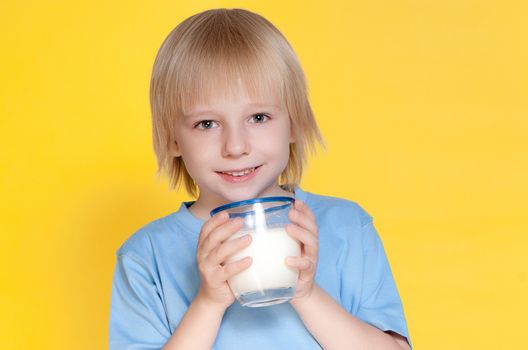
239	172
239	175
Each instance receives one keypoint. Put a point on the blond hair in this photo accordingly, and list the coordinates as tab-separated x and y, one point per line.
214	52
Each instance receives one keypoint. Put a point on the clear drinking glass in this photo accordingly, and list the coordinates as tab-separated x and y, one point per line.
268	280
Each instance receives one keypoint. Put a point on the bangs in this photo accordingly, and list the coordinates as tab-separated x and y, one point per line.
223	61
225	79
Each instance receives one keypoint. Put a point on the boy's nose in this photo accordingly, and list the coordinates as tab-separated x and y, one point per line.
236	143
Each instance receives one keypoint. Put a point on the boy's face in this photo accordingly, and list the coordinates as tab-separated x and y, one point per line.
234	149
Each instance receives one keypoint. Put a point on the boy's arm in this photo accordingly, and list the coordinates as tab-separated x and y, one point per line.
138	317
198	327
332	325
335	328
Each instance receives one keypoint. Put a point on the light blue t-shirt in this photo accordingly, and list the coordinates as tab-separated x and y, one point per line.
156	279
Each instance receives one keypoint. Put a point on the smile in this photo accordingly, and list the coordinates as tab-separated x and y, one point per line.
239	172
239	175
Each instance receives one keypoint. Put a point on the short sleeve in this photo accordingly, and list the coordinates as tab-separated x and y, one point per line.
380	303
137	316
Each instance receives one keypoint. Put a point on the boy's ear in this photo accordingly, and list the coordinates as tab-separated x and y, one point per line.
175	149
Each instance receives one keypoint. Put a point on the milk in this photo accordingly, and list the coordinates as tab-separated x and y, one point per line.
269	249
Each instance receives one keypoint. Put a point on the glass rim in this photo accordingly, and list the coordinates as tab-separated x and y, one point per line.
253	201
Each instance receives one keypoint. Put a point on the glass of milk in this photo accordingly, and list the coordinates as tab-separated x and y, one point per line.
268	280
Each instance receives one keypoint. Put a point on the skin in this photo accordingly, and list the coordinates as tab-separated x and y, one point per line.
237	137
234	134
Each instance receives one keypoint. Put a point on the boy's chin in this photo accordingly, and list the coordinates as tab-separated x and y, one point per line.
241	196
246	193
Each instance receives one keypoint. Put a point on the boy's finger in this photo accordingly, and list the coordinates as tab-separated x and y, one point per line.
220	234
235	267
303	219
211	224
305	266
299	263
300	205
305	237
219	254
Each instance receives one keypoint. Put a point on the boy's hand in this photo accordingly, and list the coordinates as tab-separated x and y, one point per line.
211	253
303	228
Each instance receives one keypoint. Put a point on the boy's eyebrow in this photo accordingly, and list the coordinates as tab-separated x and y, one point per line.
198	111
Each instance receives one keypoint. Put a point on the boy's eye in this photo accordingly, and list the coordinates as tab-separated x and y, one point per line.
259	117
205	124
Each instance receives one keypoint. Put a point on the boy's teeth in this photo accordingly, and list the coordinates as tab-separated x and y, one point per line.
239	173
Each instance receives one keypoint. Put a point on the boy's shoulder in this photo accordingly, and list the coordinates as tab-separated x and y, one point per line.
341	209
140	243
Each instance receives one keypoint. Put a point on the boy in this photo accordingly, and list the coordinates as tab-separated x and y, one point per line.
232	121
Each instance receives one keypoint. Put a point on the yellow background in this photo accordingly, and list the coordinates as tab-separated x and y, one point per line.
423	105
